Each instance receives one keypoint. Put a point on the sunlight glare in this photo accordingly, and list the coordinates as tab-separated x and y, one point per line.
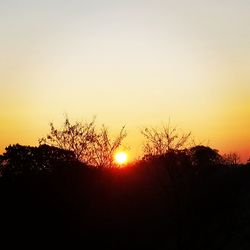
121	158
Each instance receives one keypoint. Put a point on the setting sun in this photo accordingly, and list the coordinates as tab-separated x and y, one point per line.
121	158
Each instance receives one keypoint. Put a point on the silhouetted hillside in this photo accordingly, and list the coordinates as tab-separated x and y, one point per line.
180	200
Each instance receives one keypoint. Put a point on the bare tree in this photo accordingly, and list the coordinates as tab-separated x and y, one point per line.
90	144
160	140
231	159
103	149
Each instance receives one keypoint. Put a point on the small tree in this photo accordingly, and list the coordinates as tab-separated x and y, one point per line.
90	144
231	159
161	140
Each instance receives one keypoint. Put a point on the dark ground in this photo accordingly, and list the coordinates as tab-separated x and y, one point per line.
154	204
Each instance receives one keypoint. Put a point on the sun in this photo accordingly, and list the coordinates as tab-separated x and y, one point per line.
121	158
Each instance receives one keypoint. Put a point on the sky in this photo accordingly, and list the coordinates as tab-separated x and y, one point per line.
135	63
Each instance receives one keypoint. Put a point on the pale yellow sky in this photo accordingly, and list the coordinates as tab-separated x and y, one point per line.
128	62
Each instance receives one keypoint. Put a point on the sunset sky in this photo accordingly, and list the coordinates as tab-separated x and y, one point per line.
135	63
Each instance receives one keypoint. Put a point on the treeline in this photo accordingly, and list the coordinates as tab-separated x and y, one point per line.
180	199
179	195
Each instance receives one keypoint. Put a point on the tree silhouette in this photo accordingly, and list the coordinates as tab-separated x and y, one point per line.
101	153
204	156
25	160
159	141
90	144
231	159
